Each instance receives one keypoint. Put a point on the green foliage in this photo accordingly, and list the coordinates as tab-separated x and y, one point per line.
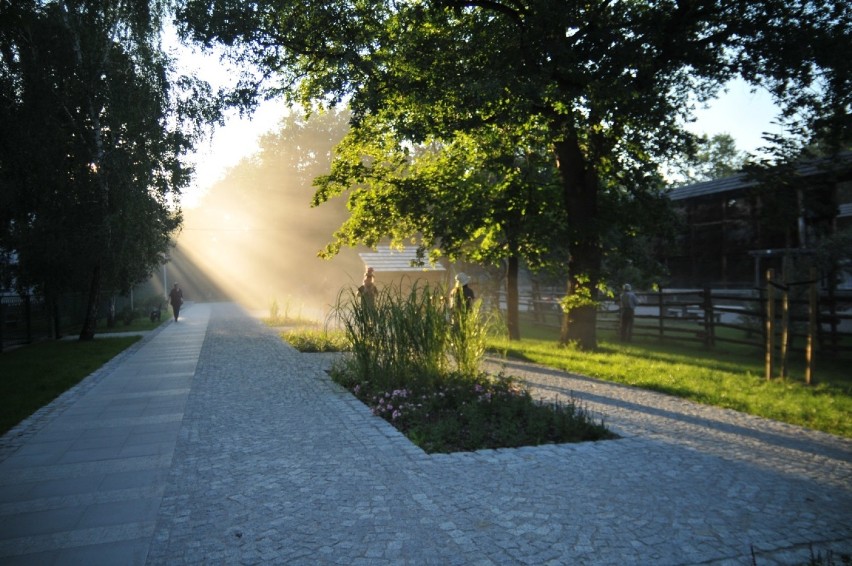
582	297
128	315
402	345
468	333
714	157
464	413
397	337
34	375
611	85
92	145
316	340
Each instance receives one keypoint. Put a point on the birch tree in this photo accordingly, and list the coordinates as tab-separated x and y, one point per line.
93	145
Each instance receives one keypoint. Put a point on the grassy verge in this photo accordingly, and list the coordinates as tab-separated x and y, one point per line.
35	375
309	339
138	324
724	377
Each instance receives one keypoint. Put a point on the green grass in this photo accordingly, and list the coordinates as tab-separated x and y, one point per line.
316	340
138	324
721	376
36	374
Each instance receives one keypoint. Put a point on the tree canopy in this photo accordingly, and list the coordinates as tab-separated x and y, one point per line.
612	83
95	132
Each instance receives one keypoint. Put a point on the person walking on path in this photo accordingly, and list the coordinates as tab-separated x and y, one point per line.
176	299
629	302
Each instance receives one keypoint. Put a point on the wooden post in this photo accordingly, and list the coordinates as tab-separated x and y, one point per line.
662	312
813	306
709	326
785	317
770	326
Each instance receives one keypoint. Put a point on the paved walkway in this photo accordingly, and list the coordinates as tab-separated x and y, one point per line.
212	442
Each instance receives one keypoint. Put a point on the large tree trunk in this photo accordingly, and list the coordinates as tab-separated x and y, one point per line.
580	191
512	314
90	322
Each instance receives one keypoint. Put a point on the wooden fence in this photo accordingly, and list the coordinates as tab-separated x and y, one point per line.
712	317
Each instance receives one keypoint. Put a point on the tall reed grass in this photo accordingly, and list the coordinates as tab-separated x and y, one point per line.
407	337
415	362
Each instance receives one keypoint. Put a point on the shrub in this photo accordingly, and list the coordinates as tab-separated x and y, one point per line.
464	414
403	348
128	315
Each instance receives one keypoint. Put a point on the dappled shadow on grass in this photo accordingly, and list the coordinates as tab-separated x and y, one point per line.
676	417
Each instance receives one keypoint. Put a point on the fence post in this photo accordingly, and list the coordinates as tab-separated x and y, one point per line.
813	306
709	326
662	312
770	320
785	318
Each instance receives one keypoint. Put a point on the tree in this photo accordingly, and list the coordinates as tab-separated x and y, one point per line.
94	134
716	157
482	196
613	82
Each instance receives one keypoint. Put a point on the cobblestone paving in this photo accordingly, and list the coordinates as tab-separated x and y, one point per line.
275	464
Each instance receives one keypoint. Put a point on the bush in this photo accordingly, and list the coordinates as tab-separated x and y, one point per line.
472	413
418	368
128	315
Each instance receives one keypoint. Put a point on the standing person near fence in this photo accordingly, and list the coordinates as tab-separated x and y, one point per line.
176	299
461	298
629	302
368	291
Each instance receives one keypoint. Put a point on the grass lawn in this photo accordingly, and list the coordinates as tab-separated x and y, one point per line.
36	374
723	376
139	324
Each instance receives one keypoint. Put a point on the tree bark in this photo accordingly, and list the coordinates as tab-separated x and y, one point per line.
580	191
512	307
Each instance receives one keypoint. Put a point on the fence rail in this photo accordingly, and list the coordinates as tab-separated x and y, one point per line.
721	316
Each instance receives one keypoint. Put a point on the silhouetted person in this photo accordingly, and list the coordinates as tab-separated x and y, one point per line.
462	297
629	302
176	299
368	290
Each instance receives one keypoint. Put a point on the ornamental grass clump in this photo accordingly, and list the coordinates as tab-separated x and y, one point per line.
397	338
416	364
